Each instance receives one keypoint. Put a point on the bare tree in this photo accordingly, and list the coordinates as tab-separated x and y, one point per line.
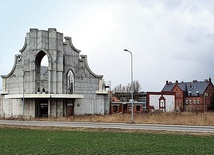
136	86
127	88
125	91
118	88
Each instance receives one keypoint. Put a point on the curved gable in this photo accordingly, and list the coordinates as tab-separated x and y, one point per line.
17	58
69	40
84	59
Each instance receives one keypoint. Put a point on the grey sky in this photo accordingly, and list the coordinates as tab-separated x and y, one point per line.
170	39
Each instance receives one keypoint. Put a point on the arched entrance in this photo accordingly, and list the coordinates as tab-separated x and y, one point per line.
41	67
162	103
41	82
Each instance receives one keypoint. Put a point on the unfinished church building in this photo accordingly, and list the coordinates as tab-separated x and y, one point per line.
66	86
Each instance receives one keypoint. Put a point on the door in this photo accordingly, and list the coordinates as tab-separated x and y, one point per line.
70	108
41	108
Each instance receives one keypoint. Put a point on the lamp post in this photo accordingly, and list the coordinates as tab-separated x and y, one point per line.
132	100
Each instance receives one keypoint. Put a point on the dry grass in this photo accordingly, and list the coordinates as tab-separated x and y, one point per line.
160	118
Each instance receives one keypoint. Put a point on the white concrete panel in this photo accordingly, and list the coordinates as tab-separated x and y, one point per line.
16	108
169	100
6	108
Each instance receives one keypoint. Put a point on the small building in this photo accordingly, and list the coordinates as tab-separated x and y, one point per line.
121	103
191	96
66	86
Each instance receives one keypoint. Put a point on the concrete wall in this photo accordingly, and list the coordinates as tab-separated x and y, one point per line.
11	108
29	108
169	100
1	106
88	105
56	108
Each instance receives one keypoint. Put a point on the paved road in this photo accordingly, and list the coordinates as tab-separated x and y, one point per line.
180	128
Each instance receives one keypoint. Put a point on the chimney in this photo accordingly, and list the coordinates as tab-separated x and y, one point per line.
167	82
176	81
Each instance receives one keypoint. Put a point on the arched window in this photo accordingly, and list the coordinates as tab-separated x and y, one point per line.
162	103
41	70
70	82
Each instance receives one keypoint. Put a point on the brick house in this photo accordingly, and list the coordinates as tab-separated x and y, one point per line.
191	96
120	103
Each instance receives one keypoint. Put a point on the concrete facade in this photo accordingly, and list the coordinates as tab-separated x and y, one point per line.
65	87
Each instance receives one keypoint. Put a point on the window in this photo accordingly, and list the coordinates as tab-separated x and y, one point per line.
198	101
187	102
194	101
162	105
130	109
138	108
190	101
70	82
178	95
114	109
197	93
144	105
69	104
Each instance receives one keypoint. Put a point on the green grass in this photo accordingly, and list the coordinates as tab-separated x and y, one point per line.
28	141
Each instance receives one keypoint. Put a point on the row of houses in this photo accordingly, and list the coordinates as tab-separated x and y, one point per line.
177	96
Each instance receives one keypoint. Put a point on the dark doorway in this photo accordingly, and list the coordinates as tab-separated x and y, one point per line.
124	108
70	108
115	109
42	108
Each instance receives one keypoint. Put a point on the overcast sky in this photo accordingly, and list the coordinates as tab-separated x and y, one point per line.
170	39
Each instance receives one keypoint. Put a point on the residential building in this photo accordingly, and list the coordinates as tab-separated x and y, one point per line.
191	96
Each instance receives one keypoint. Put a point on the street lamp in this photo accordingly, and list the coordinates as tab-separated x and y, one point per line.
132	100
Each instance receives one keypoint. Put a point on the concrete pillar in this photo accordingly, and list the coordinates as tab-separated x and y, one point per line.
49	107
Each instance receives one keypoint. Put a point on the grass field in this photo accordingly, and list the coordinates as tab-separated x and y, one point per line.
31	141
